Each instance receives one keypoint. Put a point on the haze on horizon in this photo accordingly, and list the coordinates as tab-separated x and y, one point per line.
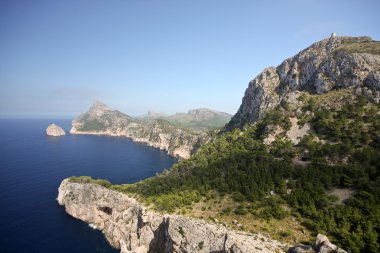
58	57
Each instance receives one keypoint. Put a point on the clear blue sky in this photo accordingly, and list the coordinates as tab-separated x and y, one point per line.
57	57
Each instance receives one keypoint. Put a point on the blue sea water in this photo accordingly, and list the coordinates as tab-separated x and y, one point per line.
32	165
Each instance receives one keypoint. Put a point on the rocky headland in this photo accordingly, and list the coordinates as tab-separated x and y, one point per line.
131	227
166	133
54	130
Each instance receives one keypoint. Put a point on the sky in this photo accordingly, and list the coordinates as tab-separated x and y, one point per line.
58	57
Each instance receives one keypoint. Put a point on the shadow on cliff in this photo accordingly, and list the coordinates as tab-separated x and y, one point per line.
162	242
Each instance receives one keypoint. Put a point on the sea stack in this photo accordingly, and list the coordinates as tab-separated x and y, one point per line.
54	130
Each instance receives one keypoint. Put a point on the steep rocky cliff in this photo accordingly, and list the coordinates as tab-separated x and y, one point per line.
330	64
130	226
158	133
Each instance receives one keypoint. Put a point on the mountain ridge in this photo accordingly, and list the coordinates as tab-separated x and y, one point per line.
198	119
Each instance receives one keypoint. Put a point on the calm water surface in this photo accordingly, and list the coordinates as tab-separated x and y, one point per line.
32	165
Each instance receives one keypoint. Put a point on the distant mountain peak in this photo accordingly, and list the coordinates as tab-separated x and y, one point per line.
99	105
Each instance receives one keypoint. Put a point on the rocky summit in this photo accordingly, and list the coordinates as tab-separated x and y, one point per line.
334	63
54	130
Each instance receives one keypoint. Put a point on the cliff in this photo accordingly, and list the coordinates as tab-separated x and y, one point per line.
54	130
335	63
130	226
158	133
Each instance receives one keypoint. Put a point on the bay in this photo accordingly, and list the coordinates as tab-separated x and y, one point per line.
32	165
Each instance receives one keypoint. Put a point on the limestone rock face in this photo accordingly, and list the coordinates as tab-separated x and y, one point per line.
54	130
334	63
131	227
158	133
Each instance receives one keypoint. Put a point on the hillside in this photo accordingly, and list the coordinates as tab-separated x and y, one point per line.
158	133
198	120
301	155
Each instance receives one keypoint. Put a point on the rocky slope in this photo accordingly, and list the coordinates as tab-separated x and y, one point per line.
54	130
158	133
130	226
334	63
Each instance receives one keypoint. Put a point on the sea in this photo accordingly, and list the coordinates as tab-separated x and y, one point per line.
32	166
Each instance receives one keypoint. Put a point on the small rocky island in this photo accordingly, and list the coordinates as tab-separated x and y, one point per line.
54	130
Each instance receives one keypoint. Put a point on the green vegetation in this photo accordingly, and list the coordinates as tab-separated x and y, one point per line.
239	164
92	125
265	183
217	121
370	47
87	179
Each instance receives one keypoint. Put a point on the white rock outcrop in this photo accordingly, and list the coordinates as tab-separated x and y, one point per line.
54	130
131	227
322	245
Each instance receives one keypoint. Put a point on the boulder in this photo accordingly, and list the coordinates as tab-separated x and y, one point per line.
325	246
